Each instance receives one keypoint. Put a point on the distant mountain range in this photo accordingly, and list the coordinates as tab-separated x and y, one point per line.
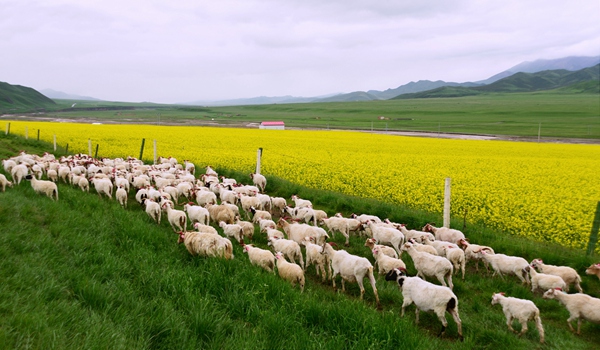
64	96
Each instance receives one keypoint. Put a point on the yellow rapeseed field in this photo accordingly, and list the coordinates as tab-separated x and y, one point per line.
546	191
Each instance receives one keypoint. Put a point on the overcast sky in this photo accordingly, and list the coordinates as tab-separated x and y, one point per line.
186	50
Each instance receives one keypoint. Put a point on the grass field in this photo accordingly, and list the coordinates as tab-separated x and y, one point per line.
84	273
549	114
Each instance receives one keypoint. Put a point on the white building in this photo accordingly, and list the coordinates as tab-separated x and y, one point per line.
272	125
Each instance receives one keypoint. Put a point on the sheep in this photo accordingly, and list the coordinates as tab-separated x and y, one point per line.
297	232
301	203
386	263
580	306
140	195
260	257
63	172
43	187
425	248
233	207
206	244
247	228
545	281
177	218
336	224
521	309
172	192
427	297
184	189
121	195
456	257
103	186
258	215
290	248
197	213
8	164
389	251
278	203
259	181
387	235
351	268
264	224
227	196
314	256
507	264
568	274
152	209
205	228
18	173
431	265
444	233
273	233
221	213
470	254
210	171
232	230
289	271
440	246
4	182
593	270
419	236
52	175
204	197
248	203
366	217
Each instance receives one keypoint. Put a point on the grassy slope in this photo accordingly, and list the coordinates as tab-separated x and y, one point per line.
17	98
84	273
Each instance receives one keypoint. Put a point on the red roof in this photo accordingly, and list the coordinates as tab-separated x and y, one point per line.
272	123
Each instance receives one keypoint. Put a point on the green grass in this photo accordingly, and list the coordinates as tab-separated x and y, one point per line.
561	115
84	273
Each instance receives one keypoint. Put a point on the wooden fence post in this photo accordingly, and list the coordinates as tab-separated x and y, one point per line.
258	158
8	129
38	135
90	147
142	149
96	155
154	152
447	203
54	142
26	133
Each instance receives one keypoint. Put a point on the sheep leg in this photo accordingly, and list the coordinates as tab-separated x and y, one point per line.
509	320
407	301
523	327
442	319
569	320
456	317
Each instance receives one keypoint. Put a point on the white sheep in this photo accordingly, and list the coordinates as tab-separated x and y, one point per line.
431	265
197	213
273	233
470	253
336	224
521	309
351	268
568	274
121	195
259	215
386	263
593	270
259	181
444	233
43	187
232	230
260	257
512	265
425	248
141	195
389	251
152	209
247	228
386	235
289	271
545	281
314	256
297	232
204	197
288	247
418	236
4	182
102	186
456	257
177	218
580	306
18	173
427	297
249	203
301	203
264	224
366	217
278	203
205	228
52	175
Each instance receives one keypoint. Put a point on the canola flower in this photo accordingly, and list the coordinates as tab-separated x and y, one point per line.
545	191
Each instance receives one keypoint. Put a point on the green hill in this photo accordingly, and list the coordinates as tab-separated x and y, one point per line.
17	98
581	81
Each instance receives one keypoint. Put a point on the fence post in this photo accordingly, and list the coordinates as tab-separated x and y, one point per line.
38	135
54	142
26	133
594	234
142	149
154	152
90	147
447	203
7	128
67	149
258	157
96	155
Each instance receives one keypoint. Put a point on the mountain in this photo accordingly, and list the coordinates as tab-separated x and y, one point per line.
64	96
585	80
17	98
351	97
572	63
261	100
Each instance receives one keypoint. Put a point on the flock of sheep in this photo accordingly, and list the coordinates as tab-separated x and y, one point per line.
436	252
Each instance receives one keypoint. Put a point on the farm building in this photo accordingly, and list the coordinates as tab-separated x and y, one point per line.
272	125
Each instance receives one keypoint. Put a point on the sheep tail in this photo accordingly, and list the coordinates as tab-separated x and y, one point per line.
540	328
451	304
